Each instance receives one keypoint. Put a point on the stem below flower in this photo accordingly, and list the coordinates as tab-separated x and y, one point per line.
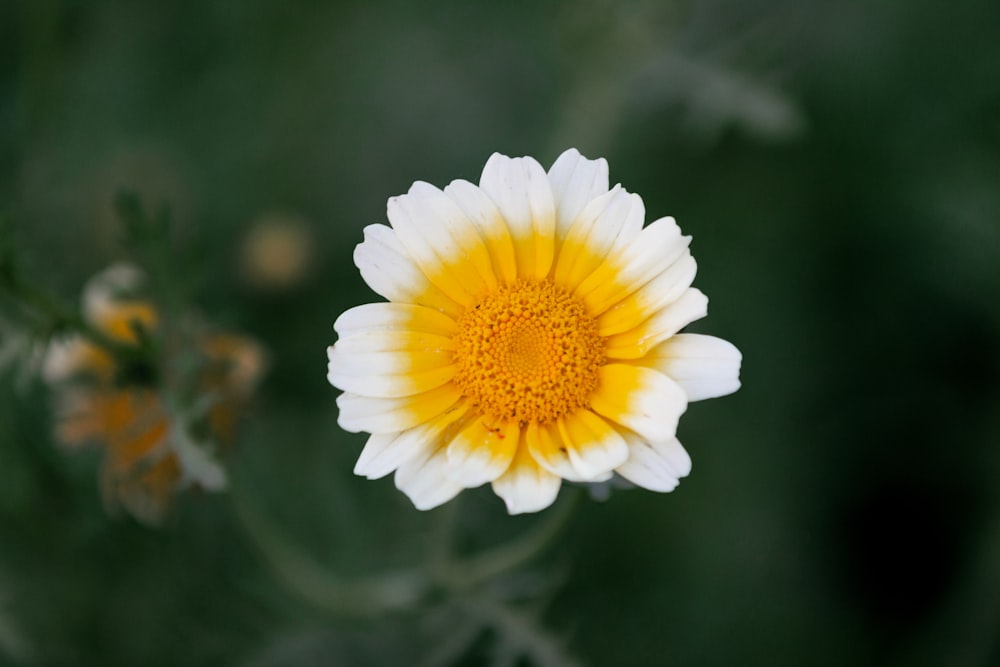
477	569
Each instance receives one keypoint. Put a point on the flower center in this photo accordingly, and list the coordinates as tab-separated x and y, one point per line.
529	352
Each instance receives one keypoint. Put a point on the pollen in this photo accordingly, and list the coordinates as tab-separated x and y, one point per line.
528	352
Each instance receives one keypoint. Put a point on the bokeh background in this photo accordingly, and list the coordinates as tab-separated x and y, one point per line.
838	165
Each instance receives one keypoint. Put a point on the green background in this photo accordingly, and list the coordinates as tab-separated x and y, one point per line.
838	165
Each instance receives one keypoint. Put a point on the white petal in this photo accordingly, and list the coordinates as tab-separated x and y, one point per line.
627	269
393	415
594	448
634	343
198	466
387	341
385	452
483	213
606	225
442	240
654	296
390	364
344	361
380	456
546	446
388	269
575	182
366	382
575	458
641	399
424	479
705	366
64	358
520	188
394	317
526	486
657	467
482	452
105	291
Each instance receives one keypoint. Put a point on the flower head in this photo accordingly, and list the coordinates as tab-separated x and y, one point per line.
151	417
530	336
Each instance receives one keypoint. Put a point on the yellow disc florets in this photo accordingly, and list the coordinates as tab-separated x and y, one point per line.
528	352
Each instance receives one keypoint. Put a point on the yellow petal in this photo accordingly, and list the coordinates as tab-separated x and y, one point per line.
639	340
483	213
546	446
627	269
651	298
482	452
606	225
521	191
593	447
389	270
640	399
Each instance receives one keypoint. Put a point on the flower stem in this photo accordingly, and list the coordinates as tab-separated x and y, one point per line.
519	630
507	557
355	597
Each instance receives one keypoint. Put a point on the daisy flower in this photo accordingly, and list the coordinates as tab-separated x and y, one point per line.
130	404
530	336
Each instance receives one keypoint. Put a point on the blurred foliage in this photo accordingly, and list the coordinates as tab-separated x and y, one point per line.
837	165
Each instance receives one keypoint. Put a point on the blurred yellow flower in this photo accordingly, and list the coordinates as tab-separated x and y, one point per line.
531	336
153	445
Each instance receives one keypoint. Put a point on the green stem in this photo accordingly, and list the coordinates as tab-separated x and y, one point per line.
440	544
507	557
59	319
360	597
523	635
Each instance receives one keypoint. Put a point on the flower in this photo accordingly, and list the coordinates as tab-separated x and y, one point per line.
530	336
129	401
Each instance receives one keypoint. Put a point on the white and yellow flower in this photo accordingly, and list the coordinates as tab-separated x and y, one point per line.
530	336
